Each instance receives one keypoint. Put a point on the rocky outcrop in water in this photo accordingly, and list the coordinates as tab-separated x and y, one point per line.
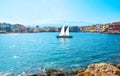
101	69
56	72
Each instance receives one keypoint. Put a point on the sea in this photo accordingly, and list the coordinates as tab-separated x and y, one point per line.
28	52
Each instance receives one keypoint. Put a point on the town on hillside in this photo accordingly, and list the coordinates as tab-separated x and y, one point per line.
113	27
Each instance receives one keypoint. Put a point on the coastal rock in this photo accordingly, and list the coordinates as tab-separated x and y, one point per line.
37	75
118	66
104	74
76	71
55	72
86	73
101	69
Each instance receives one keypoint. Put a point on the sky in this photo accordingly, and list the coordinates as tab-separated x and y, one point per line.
59	11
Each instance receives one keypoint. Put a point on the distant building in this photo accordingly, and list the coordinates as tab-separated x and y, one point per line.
84	28
36	29
5	27
114	27
92	28
19	28
50	29
105	27
74	29
100	27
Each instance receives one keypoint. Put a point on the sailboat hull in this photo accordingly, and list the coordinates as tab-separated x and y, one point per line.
64	36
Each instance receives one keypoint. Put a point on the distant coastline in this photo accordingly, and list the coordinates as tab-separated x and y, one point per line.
113	28
52	32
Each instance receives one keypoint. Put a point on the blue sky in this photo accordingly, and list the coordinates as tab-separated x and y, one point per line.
59	11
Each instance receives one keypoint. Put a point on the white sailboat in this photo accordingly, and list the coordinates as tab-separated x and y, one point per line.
63	33
67	31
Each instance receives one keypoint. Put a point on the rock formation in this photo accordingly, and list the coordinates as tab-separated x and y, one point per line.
101	69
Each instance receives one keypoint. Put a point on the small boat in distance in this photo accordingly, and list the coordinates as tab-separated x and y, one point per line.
63	33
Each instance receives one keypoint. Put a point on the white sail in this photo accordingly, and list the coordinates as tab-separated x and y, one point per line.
67	31
62	32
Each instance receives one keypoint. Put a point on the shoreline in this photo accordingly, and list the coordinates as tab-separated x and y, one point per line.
72	72
58	32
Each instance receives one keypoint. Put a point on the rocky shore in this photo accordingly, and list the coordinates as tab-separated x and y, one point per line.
98	69
101	69
56	72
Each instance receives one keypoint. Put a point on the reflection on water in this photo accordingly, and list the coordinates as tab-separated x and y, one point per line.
16	57
64	43
63	40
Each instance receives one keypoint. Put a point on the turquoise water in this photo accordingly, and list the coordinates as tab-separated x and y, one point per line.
19	52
